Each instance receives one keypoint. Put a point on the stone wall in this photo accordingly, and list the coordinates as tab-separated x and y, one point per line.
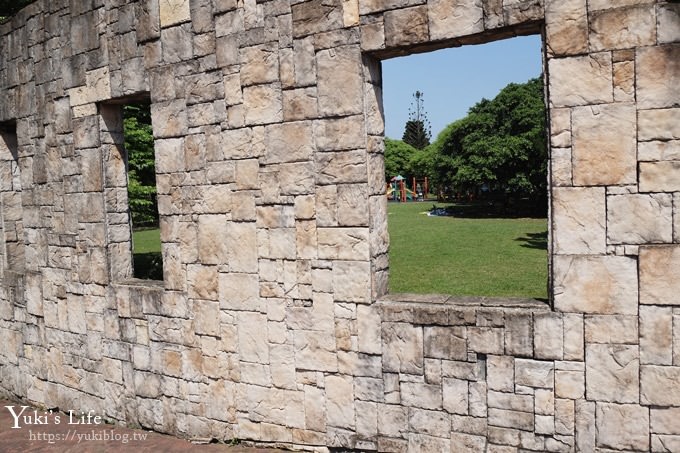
272	322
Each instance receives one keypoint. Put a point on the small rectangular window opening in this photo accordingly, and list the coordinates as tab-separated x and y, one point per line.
130	159
466	171
10	198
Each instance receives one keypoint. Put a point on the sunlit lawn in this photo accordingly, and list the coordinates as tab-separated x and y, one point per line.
443	255
465	256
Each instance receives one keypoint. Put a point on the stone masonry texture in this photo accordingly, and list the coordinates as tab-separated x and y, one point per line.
272	323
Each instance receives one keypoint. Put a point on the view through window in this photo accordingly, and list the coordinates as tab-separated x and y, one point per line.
142	194
466	170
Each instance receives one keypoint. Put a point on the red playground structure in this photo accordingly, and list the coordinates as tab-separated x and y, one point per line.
397	190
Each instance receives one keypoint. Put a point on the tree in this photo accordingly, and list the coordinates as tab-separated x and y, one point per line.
417	129
142	196
398	157
501	144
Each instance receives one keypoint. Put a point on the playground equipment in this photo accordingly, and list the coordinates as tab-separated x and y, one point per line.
397	189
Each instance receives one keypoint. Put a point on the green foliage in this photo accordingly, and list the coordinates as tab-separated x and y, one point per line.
415	134
466	256
501	144
417	129
398	157
141	165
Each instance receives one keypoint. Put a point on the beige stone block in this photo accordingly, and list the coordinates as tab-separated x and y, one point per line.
259	64
207	317
622	28
339	81
343	243
299	104
239	292
667	20
511	401
573	336
351	205
622	426
579	220
511	419
406	26
658	385
421	395
445	343
500	371
676	217
340	133
486	340
660	176
450	19
212	249
241	240
288	142
659	150
535	373
608	329
373	36
566	27
351	281
202	281
656	335
658	275
174	12
581	80
263	103
455	396
639	219
252	344
368	330
610	4
659	124
624	81
518	334
402	348
315	351
570	384
560	127
596	284
560	166
585	430
612	373
345	167
664	420
548	344
658	76
564	417
604	145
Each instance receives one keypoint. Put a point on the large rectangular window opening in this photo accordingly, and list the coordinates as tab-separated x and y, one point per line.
132	206
10	199
466	161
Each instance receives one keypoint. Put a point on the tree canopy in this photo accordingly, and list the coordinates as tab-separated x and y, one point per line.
501	143
141	165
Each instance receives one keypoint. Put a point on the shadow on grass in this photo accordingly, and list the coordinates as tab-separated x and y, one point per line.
535	240
494	210
148	266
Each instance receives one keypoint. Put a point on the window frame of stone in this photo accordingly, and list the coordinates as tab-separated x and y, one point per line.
13	257
120	247
375	131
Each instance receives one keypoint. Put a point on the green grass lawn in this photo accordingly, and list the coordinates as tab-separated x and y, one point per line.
147	259
466	256
442	255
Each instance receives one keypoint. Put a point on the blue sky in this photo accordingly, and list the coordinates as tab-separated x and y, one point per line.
453	80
